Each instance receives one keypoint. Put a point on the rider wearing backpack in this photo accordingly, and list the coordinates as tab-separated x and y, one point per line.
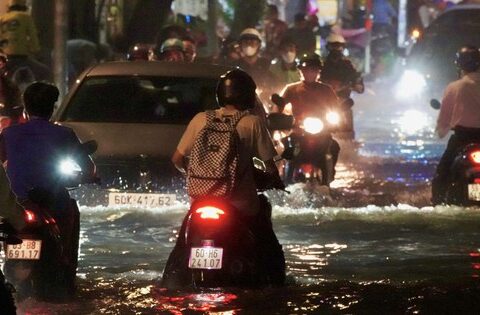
221	145
236	95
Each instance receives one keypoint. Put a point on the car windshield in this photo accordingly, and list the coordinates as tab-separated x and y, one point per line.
137	99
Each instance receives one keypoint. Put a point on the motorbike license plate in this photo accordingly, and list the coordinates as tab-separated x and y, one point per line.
141	200
474	192
205	258
29	249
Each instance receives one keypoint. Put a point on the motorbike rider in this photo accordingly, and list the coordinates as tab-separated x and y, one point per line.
171	49
10	99
251	62
341	75
284	68
19	39
310	95
459	112
34	151
236	92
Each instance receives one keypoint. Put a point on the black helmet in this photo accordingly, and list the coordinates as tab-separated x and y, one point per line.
309	61
237	88
468	58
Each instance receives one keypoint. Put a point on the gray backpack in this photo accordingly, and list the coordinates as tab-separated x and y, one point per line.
212	169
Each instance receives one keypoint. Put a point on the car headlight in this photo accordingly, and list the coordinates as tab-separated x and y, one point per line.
69	167
312	125
333	118
411	84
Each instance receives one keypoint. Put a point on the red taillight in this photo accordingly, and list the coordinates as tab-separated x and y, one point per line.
30	216
210	212
5	122
475	156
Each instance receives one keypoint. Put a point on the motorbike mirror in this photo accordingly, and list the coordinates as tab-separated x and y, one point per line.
277	100
279	121
435	104
90	146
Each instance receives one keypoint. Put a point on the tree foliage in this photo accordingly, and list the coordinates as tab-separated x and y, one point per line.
247	13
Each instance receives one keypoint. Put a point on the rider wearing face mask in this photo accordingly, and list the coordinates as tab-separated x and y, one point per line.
284	68
251	62
338	70
341	75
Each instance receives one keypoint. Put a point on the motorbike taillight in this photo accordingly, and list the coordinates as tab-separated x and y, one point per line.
210	212
5	122
30	216
475	156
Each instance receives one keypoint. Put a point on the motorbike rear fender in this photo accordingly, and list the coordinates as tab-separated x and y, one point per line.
230	229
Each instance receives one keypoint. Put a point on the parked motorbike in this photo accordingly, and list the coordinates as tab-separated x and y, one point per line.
464	186
7	302
219	247
44	264
306	146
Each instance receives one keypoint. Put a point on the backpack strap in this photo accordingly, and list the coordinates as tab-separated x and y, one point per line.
210	116
237	117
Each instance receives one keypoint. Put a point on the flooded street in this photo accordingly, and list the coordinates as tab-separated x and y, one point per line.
372	245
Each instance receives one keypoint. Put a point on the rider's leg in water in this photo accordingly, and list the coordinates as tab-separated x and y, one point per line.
334	151
289	171
272	253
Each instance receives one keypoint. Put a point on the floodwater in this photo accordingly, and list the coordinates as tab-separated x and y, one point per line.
374	245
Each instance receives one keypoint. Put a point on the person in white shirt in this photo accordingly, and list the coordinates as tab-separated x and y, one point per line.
460	112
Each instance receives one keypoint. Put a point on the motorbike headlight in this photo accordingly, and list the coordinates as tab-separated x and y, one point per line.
277	136
333	118
312	125
69	167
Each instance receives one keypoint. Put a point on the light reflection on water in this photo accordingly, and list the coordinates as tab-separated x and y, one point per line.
345	252
373	244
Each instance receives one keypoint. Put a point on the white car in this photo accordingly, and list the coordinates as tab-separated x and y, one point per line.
137	112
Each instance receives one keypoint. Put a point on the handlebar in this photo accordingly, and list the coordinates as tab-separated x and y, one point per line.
265	181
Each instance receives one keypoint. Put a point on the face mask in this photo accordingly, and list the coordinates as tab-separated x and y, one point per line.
336	54
289	57
249	51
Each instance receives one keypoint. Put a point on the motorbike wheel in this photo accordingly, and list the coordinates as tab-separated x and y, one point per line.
7	302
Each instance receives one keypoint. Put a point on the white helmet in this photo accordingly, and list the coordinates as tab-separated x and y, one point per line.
250	33
335	38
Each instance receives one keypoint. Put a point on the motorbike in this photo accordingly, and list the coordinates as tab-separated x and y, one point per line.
219	247
7	301
464	186
44	264
307	146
